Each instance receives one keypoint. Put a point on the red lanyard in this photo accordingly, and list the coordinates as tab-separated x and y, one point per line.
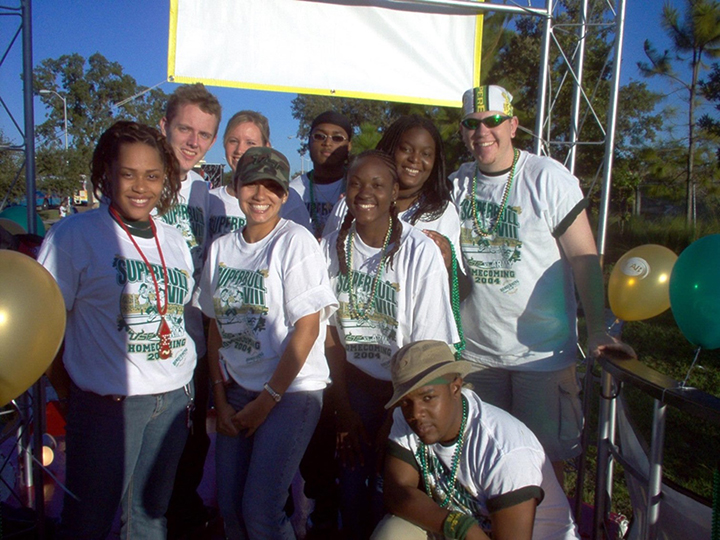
165	350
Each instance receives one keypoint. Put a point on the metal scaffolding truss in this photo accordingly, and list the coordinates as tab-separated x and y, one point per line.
23	15
30	406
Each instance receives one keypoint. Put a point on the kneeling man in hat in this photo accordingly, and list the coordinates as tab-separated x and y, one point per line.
457	467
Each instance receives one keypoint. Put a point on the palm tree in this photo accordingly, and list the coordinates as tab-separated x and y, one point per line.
694	38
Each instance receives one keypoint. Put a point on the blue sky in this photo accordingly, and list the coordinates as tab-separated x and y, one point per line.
135	34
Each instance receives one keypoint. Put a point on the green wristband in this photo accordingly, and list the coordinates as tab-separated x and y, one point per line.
457	525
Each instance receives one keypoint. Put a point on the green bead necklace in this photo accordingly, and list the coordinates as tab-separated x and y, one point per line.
508	186
357	311
424	454
455	301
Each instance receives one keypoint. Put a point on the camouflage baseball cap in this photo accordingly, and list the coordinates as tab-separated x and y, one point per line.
262	163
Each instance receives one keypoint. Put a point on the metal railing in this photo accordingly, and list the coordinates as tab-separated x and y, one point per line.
665	392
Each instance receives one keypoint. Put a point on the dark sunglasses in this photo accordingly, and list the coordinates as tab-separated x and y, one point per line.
320	137
488	122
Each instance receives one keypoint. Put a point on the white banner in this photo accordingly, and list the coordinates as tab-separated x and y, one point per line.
386	50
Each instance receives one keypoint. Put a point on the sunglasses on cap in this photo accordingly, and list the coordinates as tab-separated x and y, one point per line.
488	122
320	137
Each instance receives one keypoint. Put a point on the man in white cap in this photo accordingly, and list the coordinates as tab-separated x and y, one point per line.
457	467
526	239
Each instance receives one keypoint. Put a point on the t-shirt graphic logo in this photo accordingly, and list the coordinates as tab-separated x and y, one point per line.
138	314
240	303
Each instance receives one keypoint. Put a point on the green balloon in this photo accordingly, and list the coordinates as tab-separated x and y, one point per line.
695	292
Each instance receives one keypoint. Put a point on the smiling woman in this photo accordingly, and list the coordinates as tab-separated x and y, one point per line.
391	285
424	199
244	130
424	195
267	294
137	181
261	201
372	192
126	278
417	147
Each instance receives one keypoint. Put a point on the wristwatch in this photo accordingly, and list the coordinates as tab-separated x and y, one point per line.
273	394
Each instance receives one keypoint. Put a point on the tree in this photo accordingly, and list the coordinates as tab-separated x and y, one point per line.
710	89
12	177
517	70
59	171
694	38
637	123
91	89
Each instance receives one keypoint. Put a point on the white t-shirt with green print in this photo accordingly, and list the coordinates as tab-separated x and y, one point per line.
257	292
412	300
319	199
111	339
190	217
521	313
225	213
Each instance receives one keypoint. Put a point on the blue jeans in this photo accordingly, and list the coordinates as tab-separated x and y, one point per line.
122	451
361	504
254	473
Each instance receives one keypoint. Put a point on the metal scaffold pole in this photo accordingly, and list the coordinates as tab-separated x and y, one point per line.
611	122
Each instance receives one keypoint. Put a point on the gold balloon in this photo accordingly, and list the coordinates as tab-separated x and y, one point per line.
640	282
32	322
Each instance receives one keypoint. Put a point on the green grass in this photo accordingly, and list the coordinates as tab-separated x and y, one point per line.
669	232
51	214
661	345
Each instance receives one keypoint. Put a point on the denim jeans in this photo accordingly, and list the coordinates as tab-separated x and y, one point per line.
254	473
361	504
121	452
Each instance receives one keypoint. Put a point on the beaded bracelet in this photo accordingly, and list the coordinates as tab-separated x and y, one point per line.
457	525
